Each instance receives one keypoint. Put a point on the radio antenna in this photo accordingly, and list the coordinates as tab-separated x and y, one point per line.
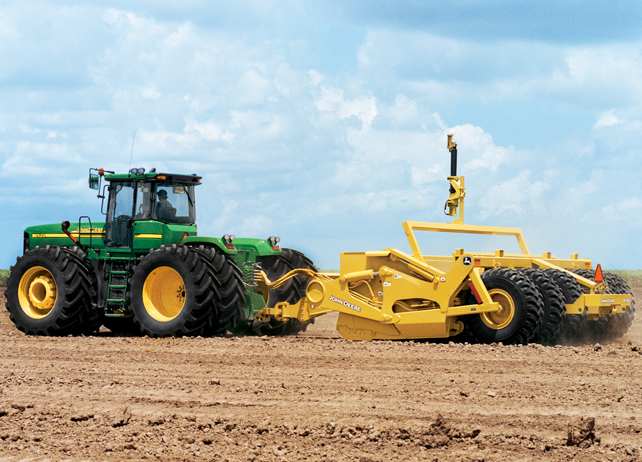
132	154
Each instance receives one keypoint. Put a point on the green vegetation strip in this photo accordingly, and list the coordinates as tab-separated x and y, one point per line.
632	277
4	274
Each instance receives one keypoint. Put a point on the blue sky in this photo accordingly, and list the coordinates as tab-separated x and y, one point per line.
325	122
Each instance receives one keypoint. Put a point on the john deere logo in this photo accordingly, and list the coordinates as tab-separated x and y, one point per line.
468	261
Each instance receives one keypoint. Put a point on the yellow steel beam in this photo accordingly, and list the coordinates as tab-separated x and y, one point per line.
411	226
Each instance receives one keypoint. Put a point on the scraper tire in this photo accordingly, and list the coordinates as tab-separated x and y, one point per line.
593	331
522	307
573	323
554	307
622	321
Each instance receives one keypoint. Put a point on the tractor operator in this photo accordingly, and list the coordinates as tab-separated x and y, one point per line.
163	207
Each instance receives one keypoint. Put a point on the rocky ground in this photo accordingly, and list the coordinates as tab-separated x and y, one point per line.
316	397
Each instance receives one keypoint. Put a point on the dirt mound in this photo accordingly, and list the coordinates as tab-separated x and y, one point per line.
582	433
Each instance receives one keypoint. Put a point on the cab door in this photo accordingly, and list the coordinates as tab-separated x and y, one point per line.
119	223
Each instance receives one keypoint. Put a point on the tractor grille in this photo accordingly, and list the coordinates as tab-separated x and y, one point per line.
248	273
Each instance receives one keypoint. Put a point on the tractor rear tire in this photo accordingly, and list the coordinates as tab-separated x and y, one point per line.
92	316
50	291
522	308
229	297
172	293
572	290
554	308
292	291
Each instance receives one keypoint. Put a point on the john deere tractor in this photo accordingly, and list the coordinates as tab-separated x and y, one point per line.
145	269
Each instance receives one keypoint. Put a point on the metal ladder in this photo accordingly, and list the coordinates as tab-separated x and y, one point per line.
117	286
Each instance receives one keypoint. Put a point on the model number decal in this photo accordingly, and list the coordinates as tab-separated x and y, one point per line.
626	300
345	303
607	300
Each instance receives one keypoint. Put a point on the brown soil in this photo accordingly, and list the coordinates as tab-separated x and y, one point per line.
316	397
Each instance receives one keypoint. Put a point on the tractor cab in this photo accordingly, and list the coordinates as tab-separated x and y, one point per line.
139	201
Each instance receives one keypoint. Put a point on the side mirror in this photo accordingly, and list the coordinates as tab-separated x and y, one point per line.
94	181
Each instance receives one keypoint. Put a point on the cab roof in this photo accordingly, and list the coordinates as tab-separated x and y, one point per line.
155	176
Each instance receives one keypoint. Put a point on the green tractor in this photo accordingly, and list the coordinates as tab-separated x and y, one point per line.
146	269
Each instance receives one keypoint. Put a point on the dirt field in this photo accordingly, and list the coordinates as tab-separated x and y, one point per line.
315	397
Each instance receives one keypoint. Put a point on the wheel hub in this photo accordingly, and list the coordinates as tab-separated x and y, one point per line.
37	292
42	292
164	294
502	318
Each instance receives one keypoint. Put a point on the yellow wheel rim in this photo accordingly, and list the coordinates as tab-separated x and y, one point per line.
506	313
164	294
37	292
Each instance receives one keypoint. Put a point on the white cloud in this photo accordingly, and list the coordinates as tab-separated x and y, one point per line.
150	93
607	119
480	147
363	107
315	77
208	130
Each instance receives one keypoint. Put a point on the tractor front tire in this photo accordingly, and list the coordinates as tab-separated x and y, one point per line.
520	316
171	293
291	292
50	292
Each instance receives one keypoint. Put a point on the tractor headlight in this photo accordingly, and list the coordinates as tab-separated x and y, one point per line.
227	240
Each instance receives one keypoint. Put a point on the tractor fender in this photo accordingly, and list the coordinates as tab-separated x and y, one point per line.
208	242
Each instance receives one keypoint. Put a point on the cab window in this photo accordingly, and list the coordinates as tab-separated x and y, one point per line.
174	203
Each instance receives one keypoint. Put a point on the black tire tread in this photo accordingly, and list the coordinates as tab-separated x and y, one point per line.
593	331
621	322
198	319
228	294
554	308
572	290
78	314
529	300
